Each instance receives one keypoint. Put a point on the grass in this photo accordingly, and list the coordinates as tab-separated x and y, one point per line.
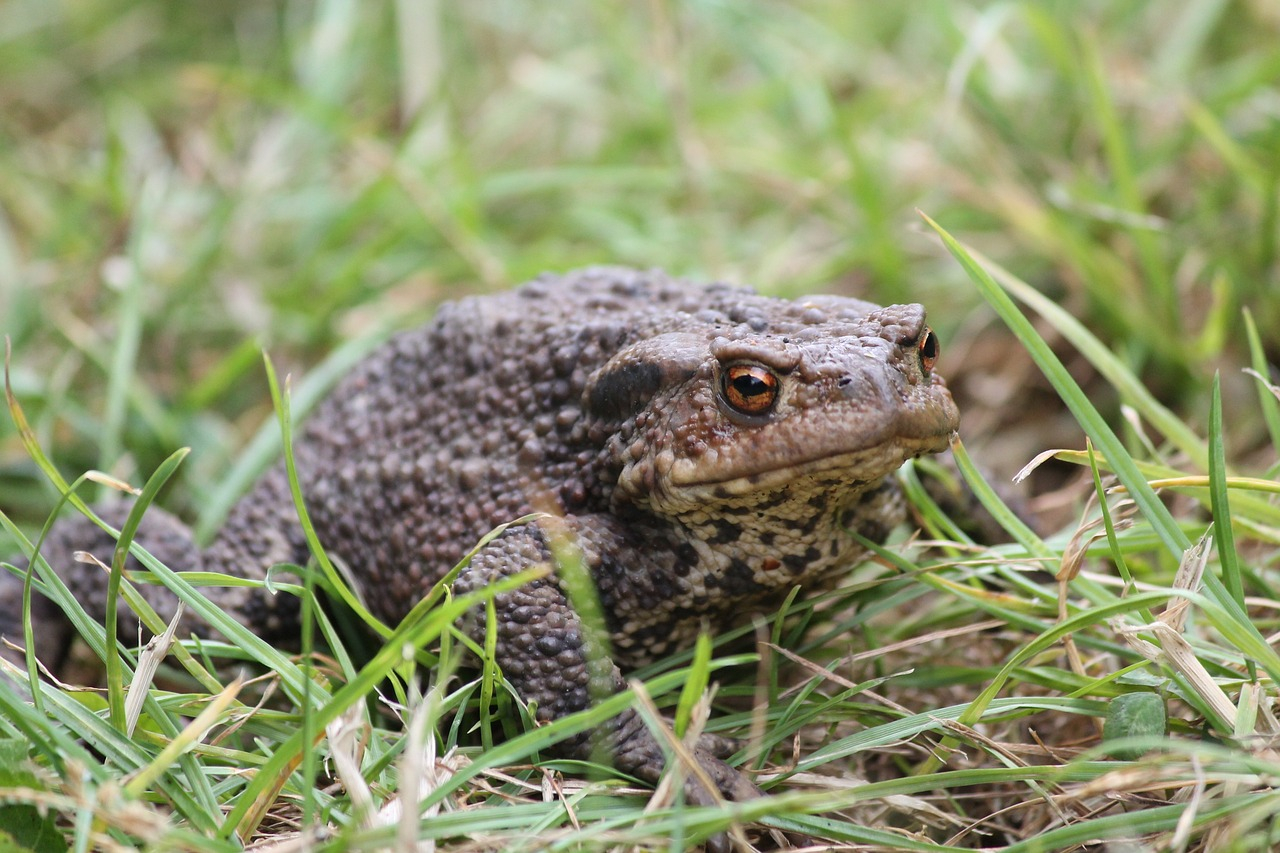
184	186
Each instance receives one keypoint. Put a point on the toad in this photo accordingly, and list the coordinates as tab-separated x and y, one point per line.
704	449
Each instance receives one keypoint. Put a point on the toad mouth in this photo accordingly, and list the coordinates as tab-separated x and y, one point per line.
860	466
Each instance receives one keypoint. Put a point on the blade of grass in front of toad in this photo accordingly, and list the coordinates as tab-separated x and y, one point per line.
265	447
115	671
258	796
1113	451
68	722
53	586
85	626
991	502
336	582
39	577
308	732
54	742
200	804
696	684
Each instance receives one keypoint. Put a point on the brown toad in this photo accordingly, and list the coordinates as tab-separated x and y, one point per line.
704	447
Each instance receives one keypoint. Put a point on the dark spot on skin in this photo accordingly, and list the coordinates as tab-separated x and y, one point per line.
606	598
607	566
796	562
625	389
658	639
873	530
686	558
767	538
725	532
683	613
739	580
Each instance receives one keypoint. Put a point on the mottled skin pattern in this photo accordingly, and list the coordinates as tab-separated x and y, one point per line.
605	398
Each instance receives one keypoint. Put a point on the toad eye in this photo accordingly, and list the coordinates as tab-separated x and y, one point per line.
749	388
929	348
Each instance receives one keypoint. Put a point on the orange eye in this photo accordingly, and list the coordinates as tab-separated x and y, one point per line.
929	350
749	388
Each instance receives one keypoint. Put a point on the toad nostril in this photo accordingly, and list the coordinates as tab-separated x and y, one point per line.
850	388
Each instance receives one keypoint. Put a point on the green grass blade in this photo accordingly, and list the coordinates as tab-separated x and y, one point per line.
991	502
1096	428
1113	544
251	805
1072	395
1130	388
695	686
265	446
115	671
336	583
1223	536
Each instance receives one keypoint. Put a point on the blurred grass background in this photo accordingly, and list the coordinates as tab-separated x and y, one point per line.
183	184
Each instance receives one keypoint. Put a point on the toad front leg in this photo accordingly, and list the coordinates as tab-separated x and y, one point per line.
550	659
